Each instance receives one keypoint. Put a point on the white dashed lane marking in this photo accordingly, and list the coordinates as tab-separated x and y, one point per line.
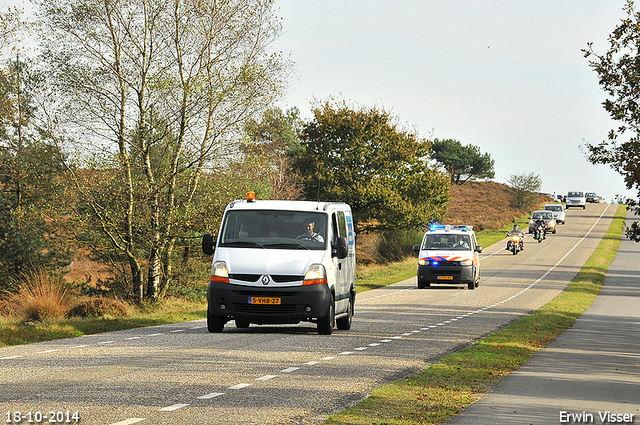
239	386
129	421
173	407
266	377
210	396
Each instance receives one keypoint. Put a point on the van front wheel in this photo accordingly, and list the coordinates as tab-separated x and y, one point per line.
215	324
327	323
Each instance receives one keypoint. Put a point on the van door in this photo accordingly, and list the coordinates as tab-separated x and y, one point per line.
339	228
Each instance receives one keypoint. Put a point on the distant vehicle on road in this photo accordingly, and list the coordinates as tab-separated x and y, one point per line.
576	199
592	197
558	212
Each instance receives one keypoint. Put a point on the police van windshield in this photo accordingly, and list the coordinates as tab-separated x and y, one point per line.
447	241
273	229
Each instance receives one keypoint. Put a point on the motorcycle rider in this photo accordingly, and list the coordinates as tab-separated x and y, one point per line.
516	231
540	222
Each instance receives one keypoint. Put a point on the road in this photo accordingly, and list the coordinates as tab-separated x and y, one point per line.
181	374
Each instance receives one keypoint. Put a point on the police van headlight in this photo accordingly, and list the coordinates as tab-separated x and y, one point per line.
423	262
466	262
315	275
219	272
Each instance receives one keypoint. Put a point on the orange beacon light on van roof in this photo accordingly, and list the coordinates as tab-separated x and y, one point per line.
251	196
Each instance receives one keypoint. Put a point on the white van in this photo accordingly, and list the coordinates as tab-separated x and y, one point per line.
576	199
282	262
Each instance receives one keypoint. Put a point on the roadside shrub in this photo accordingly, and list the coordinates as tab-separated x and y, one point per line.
40	296
396	245
98	307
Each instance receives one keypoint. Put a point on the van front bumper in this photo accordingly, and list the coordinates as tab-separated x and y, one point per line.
446	274
296	303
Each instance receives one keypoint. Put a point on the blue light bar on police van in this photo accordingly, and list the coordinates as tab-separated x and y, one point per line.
447	227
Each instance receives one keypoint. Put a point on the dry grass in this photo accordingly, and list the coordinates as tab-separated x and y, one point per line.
40	296
98	307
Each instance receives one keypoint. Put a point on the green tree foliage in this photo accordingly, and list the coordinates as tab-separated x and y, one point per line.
618	71
266	159
155	94
463	163
362	158
30	176
523	189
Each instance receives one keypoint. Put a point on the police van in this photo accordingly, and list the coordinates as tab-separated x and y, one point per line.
282	262
448	254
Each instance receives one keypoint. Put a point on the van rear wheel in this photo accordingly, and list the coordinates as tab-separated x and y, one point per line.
328	322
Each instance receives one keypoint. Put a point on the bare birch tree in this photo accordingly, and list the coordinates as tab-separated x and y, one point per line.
156	92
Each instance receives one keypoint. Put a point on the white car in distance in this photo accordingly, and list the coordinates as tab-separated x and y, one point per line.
558	212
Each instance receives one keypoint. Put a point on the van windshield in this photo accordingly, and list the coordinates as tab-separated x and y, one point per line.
274	229
447	241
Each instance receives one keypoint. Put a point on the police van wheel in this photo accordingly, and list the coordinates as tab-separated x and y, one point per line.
215	324
422	285
327	323
471	285
344	323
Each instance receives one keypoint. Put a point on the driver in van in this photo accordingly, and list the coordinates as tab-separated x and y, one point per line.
309	232
461	243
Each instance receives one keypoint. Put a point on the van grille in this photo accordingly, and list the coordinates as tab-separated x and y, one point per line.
283	278
245	277
277	278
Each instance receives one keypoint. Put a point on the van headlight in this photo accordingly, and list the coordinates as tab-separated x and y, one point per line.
315	275
219	272
466	262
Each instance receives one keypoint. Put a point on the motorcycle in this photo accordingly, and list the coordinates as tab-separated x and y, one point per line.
514	244
539	233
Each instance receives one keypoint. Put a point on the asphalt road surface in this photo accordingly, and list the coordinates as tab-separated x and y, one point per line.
181	374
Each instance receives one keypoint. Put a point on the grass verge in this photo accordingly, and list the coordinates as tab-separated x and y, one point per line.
14	332
446	388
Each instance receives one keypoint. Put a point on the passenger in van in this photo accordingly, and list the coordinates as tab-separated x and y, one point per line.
309	232
242	234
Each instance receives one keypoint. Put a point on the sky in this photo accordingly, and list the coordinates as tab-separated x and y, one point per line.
507	76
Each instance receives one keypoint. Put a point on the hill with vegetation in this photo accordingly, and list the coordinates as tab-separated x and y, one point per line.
485	205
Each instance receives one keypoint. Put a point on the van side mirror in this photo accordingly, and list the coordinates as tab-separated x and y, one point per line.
208	243
416	248
478	248
340	249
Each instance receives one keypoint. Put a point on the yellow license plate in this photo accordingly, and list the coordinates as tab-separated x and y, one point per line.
445	277
264	300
